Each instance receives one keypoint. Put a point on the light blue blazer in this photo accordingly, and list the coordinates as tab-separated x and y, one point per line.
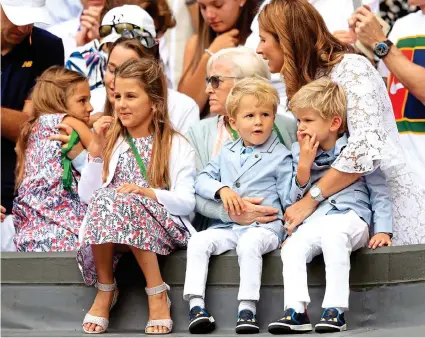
368	197
267	173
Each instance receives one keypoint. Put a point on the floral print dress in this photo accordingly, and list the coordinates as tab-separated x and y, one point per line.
129	219
45	215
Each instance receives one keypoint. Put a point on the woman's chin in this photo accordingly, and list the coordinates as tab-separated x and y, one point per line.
217	110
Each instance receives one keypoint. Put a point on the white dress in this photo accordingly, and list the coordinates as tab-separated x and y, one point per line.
374	142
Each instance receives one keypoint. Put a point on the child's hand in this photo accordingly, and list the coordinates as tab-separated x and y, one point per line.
2	213
232	202
379	240
130	188
308	149
100	129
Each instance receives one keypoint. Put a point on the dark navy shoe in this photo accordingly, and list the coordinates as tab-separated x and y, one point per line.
247	323
200	321
291	322
331	321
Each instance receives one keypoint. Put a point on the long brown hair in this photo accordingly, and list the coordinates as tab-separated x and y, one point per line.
151	77
206	34
135	45
49	96
307	45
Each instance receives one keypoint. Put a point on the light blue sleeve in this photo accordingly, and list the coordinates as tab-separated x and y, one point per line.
284	177
296	191
208	181
380	201
80	161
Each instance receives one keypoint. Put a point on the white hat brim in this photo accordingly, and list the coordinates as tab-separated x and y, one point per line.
21	16
110	38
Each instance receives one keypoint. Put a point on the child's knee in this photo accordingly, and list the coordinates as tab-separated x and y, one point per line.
201	242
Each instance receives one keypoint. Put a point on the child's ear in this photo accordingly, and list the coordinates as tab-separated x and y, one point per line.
336	123
232	122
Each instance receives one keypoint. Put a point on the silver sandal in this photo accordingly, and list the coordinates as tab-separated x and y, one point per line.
168	323
101	321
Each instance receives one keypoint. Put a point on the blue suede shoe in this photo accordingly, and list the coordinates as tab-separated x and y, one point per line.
247	323
291	322
331	321
200	321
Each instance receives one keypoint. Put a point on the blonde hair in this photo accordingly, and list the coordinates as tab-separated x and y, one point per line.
307	47
49	96
149	73
256	86
324	96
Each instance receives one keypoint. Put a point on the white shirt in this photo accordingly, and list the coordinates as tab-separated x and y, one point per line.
67	31
182	109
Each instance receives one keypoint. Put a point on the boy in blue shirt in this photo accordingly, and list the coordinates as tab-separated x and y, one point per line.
255	165
341	222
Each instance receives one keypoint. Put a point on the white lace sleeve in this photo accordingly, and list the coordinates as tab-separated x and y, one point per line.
373	140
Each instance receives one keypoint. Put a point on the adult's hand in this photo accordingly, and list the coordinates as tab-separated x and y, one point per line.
367	27
299	211
2	213
64	137
254	212
90	23
348	37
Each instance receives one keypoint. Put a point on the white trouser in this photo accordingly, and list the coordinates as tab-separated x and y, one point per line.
7	231
336	236
250	243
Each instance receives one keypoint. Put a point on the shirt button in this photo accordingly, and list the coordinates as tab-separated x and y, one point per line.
256	155
333	201
258	223
237	185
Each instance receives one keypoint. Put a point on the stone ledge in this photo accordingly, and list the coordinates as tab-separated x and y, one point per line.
393	265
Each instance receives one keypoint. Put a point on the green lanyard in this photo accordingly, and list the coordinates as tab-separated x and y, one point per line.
235	135
66	162
139	160
137	156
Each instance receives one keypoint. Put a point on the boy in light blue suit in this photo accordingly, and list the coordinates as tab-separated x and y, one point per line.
256	165
341	222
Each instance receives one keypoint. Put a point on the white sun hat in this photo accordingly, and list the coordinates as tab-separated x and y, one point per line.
25	12
131	14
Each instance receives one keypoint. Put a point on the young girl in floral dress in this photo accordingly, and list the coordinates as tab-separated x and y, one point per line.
139	185
47	211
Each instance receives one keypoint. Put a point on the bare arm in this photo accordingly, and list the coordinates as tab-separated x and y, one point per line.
12	122
412	76
81	128
193	83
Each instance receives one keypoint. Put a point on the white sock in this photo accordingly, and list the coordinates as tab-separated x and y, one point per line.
299	307
248	305
196	301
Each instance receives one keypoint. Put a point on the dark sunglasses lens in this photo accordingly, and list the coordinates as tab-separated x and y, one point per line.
105	30
148	42
121	27
215	81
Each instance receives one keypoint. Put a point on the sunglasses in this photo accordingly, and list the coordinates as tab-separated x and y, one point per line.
105	30
216	79
144	37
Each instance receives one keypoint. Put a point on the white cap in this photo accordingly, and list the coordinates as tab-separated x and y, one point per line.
25	12
133	14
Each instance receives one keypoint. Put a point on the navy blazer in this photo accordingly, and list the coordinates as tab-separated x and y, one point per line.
368	197
267	173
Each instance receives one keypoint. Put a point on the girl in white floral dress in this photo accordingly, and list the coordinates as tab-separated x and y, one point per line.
139	185
47	211
309	52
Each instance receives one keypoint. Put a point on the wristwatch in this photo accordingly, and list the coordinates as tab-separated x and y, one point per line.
316	193
382	48
95	159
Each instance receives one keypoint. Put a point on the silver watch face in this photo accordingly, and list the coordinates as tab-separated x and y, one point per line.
381	49
315	192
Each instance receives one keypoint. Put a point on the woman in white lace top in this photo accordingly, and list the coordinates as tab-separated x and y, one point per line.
295	41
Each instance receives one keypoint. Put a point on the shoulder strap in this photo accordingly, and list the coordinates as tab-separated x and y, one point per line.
66	162
137	156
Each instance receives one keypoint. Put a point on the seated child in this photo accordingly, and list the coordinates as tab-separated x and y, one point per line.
255	165
341	222
47	212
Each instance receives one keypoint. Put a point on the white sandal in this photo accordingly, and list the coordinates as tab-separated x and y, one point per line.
168	323
101	321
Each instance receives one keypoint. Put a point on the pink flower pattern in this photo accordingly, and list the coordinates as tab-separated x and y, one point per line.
46	217
129	219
